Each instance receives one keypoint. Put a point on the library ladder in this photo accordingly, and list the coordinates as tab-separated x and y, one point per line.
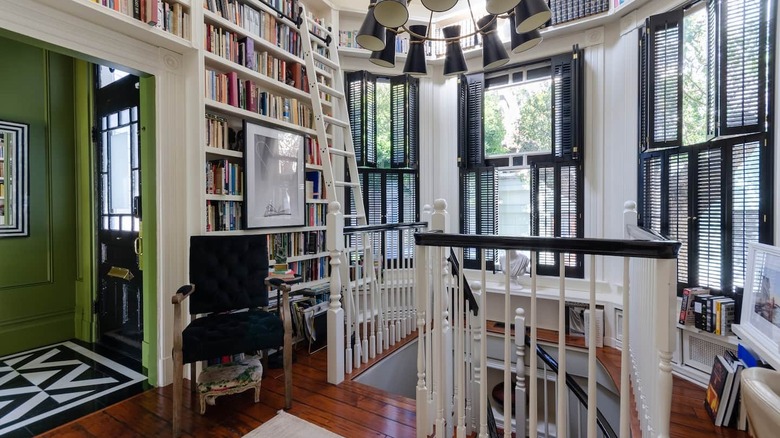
340	174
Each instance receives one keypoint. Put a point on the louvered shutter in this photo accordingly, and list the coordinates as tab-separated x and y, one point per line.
746	217
644	74
564	105
709	205
742	98
479	211
677	195
392	192
713	68
664	83
543	208
409	197
470	126
652	192
404	131
361	105
373	196
570	200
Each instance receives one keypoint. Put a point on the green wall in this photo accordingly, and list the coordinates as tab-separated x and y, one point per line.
38	273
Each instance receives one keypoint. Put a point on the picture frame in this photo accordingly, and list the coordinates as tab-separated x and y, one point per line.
760	317
14	179
274	178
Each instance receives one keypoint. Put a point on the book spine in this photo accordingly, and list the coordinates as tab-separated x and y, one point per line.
684	306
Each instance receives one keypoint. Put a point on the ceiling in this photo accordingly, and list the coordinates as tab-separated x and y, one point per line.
416	9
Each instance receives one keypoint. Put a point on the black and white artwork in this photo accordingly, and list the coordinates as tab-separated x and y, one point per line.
274	178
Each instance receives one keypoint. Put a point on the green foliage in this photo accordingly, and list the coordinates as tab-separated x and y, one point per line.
533	128
383	124
694	110
494	125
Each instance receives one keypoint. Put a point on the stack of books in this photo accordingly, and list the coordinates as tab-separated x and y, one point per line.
284	274
723	390
707	312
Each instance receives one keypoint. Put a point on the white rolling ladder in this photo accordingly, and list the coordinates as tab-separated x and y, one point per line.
326	85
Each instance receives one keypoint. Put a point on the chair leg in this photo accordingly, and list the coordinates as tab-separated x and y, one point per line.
288	386
178	380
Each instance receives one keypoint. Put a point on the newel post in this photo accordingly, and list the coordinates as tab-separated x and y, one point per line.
335	245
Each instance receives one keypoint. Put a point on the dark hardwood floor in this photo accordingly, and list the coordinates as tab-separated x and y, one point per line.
350	409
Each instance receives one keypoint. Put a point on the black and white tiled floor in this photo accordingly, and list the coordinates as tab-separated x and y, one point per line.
45	387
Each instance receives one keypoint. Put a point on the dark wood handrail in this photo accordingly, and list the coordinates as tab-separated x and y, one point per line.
652	249
384	227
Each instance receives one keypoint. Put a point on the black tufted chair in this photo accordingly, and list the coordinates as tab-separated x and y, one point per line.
228	293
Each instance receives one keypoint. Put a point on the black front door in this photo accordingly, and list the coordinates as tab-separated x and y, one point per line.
118	303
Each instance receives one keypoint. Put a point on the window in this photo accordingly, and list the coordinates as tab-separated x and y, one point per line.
705	164
384	116
520	152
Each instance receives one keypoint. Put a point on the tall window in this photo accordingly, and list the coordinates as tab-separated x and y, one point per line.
705	155
520	152
384	116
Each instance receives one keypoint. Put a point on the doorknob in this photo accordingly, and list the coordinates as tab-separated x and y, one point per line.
138	246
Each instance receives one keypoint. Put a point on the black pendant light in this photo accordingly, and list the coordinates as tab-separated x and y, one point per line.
454	61
391	13
496	7
415	60
386	56
493	51
523	41
530	15
371	35
440	5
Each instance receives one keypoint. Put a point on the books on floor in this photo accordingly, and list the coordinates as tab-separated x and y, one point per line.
722	397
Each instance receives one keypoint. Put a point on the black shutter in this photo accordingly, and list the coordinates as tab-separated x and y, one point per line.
743	52
664	51
470	126
479	211
361	105
409	197
709	212
746	215
404	131
543	209
678	214
644	74
570	198
563	105
713	68
652	192
372	184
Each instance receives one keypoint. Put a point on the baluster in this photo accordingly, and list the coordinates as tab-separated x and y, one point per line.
562	414
625	357
391	281
335	246
592	351
409	282
364	290
356	294
507	354
373	308
458	334
533	387
387	316
422	341
520	390
483	400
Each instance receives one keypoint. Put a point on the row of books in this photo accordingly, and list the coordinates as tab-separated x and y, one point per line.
568	10
259	23
312	149
228	88
297	243
312	269
241	50
316	214
224	178
238	13
707	312
218	132
170	17
223	215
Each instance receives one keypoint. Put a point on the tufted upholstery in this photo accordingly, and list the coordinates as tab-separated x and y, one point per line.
227	334
228	272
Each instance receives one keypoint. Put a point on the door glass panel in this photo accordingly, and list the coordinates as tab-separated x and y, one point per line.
120	175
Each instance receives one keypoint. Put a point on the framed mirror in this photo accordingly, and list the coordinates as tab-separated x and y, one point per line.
14	179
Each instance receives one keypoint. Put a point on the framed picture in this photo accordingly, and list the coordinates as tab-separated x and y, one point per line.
14	179
760	318
274	166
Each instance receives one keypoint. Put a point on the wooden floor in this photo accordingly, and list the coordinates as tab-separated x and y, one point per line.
350	409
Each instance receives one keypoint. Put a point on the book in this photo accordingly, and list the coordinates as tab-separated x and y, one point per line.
699	318
719	389
731	408
686	305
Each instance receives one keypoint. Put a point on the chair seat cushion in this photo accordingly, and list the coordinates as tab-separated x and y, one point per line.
224	377
223	334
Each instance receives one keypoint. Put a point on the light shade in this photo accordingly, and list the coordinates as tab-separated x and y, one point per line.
440	5
454	61
415	60
523	41
496	7
386	56
371	35
530	15
391	13
493	51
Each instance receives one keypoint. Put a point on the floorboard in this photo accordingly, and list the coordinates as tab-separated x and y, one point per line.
350	409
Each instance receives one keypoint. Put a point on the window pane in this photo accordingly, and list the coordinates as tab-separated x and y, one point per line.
709	206
518	118
745	211
110	75
120	175
383	124
514	202
695	77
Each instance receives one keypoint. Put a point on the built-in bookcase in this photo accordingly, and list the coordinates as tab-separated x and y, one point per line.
172	16
253	71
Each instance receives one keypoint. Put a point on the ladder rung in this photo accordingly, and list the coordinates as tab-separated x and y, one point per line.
335	121
318	26
341	152
332	91
346	184
320	71
325	60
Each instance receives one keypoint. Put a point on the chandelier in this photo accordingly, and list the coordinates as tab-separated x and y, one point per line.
386	19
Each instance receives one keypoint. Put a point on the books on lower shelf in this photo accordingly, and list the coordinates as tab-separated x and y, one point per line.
711	313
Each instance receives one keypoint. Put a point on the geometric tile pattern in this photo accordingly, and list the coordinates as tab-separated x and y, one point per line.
36	384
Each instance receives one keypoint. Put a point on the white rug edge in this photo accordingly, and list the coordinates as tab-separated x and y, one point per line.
282	415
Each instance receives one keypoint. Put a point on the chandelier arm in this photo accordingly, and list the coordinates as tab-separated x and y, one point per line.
457	38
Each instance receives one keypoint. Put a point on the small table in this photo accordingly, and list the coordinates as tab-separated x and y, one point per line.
229	378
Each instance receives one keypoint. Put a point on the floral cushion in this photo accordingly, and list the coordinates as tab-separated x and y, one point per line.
227	376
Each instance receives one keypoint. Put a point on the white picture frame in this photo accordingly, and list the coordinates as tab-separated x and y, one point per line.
760	316
274	182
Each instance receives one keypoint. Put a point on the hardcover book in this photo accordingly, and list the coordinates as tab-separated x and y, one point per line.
719	390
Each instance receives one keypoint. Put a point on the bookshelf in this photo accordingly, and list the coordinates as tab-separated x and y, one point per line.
252	68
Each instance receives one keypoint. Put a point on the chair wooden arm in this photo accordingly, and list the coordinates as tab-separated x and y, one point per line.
182	294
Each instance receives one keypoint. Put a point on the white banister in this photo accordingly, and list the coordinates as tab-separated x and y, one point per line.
421	279
335	245
562	410
520	389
